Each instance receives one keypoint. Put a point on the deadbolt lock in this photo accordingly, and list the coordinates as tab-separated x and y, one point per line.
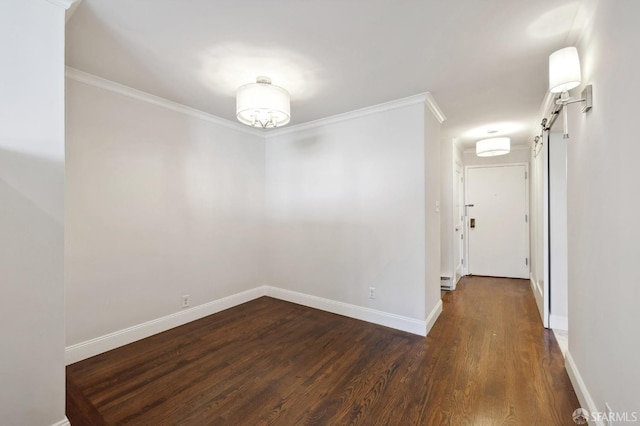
472	222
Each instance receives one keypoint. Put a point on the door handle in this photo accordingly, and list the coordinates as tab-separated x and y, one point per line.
472	222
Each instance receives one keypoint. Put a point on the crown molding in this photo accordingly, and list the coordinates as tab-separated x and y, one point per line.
434	107
102	83
65	4
374	109
72	10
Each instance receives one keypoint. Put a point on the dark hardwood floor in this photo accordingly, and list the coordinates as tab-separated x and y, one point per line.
487	361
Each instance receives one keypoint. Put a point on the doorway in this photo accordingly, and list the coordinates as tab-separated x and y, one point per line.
549	277
497	220
558	269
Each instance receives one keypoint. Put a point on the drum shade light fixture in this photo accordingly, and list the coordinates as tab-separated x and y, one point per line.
564	75
564	70
262	104
493	147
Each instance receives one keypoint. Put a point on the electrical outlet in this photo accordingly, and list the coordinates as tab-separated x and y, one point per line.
372	292
185	301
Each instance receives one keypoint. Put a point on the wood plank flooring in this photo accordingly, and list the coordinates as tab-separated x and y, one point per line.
487	361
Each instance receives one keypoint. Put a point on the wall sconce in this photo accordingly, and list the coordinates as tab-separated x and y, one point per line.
564	75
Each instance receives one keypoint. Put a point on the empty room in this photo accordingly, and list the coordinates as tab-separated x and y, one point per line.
319	212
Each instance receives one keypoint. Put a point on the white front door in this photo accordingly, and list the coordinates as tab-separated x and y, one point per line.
497	222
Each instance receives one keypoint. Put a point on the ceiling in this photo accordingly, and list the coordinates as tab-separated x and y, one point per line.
484	61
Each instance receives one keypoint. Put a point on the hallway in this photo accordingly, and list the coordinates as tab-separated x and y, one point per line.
502	365
487	361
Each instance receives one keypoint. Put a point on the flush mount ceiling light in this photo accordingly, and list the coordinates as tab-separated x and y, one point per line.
262	104
564	75
493	146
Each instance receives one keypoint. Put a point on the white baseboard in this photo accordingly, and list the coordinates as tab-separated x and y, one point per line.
558	322
584	397
532	283
107	342
535	287
63	422
538	295
433	316
386	319
98	345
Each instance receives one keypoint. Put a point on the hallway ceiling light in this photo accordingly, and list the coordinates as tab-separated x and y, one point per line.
262	104
493	146
564	75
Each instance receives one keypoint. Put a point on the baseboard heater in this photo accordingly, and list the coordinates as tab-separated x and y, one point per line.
446	283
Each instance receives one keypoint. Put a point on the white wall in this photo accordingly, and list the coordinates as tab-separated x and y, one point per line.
159	204
31	213
602	210
346	211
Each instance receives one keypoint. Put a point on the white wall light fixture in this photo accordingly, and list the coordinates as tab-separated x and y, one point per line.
493	147
262	104
564	75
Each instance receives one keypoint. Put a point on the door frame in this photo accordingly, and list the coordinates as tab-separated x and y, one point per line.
540	285
457	196
466	210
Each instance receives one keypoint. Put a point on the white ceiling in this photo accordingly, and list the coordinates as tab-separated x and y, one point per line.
484	61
